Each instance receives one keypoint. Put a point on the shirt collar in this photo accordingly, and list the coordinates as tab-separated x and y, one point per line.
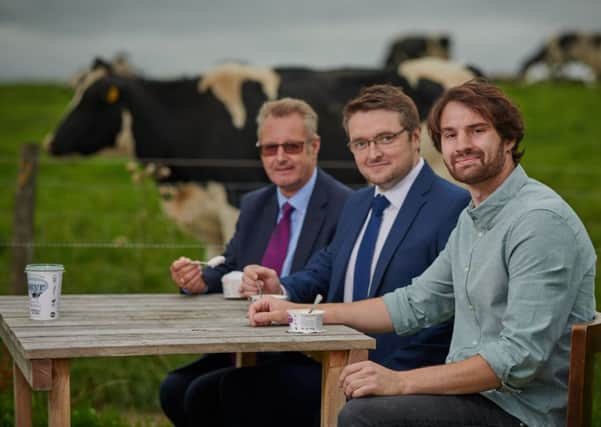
300	199
484	214
397	194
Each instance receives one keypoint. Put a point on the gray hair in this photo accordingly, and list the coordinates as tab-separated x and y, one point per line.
286	106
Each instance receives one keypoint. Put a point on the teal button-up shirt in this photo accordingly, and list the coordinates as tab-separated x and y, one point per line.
517	272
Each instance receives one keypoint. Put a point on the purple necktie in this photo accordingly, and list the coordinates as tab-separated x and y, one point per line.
277	248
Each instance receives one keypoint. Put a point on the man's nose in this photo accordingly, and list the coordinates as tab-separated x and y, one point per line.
373	150
463	142
280	154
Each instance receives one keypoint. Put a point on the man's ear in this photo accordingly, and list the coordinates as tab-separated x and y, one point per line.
509	146
416	136
316	145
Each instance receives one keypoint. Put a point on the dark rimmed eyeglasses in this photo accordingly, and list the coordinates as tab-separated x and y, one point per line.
380	140
289	147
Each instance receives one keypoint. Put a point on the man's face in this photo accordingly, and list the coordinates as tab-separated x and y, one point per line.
385	164
471	147
288	171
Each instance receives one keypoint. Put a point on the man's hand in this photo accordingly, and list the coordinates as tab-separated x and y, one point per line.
187	276
257	277
268	310
368	378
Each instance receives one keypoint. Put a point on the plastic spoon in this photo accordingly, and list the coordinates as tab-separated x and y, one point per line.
213	262
318	299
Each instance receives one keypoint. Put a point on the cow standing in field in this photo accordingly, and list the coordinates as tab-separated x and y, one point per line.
559	50
196	135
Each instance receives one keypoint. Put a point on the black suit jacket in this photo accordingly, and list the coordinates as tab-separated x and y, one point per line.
258	216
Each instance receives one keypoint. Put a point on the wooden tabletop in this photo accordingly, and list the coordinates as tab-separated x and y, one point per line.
152	324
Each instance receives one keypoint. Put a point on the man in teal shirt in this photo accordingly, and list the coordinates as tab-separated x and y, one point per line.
517	272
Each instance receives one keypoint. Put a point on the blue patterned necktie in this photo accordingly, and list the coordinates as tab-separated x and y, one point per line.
366	249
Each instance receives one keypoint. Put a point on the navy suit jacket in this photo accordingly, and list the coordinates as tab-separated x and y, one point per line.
258	218
419	232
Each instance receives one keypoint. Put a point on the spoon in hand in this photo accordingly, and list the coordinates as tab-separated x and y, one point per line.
213	262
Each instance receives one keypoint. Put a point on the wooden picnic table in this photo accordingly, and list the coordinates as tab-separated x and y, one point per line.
123	325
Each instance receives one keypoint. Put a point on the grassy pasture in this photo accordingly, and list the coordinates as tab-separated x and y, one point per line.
113	238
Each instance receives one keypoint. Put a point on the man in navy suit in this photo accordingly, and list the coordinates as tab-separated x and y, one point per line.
419	211
288	146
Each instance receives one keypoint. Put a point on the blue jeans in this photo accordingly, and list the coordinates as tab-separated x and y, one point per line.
469	410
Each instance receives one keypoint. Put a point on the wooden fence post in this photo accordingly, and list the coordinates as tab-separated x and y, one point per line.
24	213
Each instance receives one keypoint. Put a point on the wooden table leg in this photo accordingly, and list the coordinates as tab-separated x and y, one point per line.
246	359
332	396
22	392
59	399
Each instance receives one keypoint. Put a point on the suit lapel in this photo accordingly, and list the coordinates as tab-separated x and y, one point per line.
360	208
312	224
266	225
413	203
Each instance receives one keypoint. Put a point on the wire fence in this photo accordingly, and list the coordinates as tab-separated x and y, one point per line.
139	234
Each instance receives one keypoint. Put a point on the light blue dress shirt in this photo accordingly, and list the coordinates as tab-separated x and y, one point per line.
300	202
517	272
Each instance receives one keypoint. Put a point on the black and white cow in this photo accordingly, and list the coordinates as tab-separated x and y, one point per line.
559	50
203	129
417	46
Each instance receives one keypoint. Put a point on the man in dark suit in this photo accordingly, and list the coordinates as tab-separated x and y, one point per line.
407	215
303	203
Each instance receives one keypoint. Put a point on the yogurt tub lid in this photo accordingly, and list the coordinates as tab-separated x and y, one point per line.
44	267
305	311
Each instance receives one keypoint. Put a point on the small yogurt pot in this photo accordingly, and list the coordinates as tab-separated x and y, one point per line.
44	282
300	321
257	297
231	283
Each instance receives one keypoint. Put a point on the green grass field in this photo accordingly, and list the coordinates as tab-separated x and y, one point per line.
93	204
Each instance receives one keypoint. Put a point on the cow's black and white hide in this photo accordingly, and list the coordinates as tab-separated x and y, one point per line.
203	129
416	46
565	48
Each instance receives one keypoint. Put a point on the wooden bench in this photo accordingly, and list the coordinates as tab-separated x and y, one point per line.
586	344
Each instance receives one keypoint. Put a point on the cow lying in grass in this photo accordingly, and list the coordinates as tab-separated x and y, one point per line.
565	48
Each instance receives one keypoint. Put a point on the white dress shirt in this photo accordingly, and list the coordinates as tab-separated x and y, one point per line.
396	196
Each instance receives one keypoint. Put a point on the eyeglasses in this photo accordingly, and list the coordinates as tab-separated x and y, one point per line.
290	147
381	140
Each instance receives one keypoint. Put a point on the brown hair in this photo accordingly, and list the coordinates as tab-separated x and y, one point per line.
286	106
383	97
491	103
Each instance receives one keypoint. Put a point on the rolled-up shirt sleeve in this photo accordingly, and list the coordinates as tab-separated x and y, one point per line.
542	263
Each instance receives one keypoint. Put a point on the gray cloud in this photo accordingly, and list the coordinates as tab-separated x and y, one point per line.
53	38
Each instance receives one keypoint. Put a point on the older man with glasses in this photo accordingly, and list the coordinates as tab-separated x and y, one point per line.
388	233
280	226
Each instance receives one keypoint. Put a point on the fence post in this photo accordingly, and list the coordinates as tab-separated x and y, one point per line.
24	212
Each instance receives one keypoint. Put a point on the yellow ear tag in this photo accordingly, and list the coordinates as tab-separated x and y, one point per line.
112	95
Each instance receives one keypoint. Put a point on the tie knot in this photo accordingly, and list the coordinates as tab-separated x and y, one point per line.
287	209
378	205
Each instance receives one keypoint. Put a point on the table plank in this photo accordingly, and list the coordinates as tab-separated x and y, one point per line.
154	324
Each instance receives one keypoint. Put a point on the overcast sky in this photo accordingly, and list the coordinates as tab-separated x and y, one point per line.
52	39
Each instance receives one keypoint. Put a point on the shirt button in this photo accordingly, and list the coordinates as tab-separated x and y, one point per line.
466	269
471	307
480	234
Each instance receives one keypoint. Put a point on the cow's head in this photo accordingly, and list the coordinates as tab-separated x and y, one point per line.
95	117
